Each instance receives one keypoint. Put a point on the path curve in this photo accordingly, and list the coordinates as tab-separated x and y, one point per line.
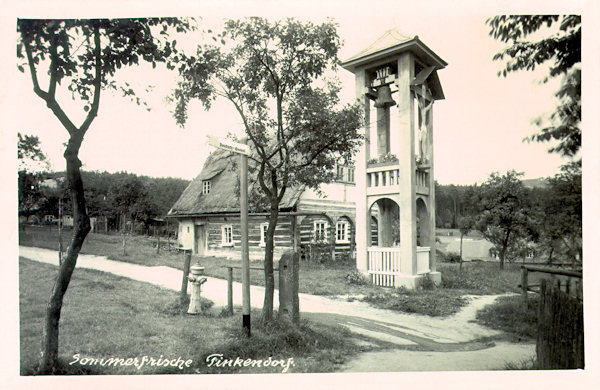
451	341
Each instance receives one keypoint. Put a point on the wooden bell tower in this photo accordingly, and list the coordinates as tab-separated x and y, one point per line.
395	212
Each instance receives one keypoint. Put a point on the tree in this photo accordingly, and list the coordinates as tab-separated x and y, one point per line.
504	215
563	51
465	225
297	129
83	55
31	161
561	216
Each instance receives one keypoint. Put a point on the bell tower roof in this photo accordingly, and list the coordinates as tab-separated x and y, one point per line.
393	42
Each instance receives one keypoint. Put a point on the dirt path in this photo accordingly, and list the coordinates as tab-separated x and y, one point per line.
403	342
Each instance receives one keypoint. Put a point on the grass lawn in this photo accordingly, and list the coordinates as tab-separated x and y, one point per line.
107	316
317	279
511	315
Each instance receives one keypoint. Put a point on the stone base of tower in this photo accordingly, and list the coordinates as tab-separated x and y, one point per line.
410	282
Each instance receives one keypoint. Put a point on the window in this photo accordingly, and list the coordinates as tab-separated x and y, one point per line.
226	235
320	231
340	173
205	187
341	232
350	175
344	174
263	233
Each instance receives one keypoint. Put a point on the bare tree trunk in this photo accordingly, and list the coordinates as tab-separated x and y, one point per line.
81	227
267	312
504	250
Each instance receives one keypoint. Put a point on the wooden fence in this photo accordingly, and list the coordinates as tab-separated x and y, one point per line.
560	328
568	279
560	315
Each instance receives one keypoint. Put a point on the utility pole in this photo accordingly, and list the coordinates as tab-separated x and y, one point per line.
244	151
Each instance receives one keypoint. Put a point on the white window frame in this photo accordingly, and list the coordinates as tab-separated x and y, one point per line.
316	231
340	173
345	230
226	239
206	187
350	175
263	234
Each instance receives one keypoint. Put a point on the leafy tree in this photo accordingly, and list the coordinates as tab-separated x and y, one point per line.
562	50
31	159
561	216
128	196
504	217
83	56
297	129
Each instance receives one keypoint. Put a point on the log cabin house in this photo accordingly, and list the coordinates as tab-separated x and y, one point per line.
320	226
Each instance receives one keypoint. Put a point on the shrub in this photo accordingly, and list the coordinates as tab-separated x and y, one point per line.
440	256
426	284
357	278
453	257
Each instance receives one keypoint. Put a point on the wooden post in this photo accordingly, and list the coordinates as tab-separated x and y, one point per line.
524	286
168	236
158	244
289	305
186	272
230	290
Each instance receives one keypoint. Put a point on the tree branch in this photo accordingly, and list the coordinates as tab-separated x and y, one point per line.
51	103
97	82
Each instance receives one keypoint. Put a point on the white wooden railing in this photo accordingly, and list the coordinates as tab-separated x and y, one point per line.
384	264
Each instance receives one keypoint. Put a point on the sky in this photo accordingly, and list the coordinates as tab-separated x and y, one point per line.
478	128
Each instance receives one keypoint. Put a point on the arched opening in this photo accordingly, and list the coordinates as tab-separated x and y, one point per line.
386	213
423	227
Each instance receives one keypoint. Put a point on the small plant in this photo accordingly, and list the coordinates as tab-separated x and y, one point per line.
387	158
453	257
357	278
426	284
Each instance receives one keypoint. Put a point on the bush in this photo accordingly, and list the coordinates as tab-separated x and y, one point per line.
357	278
440	256
453	257
426	284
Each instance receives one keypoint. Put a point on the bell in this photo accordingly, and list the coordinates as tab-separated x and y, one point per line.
384	97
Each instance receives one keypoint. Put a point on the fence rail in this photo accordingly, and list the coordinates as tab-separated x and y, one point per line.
572	288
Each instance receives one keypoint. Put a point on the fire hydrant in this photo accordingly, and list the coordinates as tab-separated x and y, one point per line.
197	281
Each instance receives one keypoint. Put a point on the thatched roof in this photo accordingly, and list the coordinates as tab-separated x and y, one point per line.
221	168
